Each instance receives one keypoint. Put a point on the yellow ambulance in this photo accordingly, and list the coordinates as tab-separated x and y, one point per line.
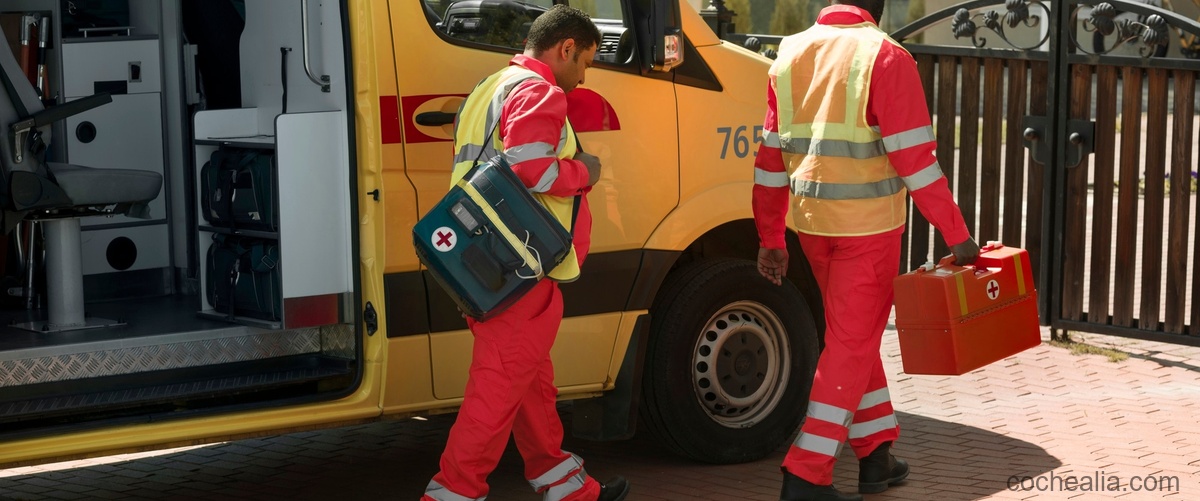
271	284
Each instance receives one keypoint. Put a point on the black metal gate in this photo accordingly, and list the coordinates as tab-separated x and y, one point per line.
1068	128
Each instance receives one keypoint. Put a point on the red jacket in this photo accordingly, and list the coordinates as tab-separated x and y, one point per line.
535	112
896	104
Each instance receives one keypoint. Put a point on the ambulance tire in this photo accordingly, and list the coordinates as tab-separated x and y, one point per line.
720	318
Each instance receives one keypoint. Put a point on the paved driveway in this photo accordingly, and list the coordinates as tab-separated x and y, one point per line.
1039	422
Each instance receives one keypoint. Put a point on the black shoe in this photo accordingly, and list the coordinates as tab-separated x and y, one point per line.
614	490
799	489
880	470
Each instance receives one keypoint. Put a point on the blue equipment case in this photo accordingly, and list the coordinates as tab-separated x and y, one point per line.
488	241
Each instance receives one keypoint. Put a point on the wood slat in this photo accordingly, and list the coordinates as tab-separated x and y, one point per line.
1152	226
918	226
1181	180
1100	266
1014	158
1129	169
968	149
993	130
1034	216
947	115
1075	215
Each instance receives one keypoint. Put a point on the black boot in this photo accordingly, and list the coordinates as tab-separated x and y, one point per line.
615	489
880	470
798	489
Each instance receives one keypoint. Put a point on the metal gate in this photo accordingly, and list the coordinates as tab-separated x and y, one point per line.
1068	128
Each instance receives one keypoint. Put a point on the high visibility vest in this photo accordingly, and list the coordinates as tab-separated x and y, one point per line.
478	118
837	166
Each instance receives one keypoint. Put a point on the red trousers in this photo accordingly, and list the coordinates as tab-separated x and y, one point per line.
511	390
849	399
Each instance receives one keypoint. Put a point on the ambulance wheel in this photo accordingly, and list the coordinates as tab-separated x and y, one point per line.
729	363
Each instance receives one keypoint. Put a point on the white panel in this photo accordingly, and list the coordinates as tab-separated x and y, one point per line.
276	24
217	124
128	136
150	242
87	63
314	203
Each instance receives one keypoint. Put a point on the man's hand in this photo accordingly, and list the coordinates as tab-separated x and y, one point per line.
966	252
772	264
593	166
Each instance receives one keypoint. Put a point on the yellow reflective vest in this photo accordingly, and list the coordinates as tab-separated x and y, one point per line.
839	171
479	118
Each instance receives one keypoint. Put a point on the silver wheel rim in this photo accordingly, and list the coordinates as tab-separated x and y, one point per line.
740	364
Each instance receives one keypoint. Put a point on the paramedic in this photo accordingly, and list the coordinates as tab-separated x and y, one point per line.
520	112
847	132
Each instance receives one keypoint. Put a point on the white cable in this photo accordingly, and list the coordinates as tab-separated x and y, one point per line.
536	256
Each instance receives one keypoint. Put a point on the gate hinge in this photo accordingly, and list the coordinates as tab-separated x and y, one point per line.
371	319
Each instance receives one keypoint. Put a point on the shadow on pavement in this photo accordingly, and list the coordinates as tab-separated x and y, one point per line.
396	459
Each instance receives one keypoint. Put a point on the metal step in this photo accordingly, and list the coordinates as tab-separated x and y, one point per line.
102	355
160	391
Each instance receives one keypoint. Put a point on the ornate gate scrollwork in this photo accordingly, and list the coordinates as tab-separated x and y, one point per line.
1148	32
964	26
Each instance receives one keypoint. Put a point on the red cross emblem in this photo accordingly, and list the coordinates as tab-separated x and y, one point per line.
444	239
993	289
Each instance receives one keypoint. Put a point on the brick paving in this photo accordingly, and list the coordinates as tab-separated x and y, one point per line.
1046	414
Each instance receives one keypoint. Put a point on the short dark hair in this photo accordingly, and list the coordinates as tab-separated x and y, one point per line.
560	23
874	7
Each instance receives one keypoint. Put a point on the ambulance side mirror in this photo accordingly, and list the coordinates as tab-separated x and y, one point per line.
659	39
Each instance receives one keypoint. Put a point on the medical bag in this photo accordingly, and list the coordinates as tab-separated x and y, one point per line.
237	189
242	276
955	319
488	241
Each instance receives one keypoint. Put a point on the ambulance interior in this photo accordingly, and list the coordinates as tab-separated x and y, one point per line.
231	283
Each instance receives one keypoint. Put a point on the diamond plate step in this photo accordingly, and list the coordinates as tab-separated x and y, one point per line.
113	357
163	391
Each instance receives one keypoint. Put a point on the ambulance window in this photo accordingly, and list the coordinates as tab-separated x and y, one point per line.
601	11
616	44
502	23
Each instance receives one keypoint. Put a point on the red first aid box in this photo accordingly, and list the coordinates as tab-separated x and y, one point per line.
953	319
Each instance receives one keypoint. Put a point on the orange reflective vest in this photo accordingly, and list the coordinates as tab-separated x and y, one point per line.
837	166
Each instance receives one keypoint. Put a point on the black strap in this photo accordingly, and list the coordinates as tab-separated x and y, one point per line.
578	198
12	93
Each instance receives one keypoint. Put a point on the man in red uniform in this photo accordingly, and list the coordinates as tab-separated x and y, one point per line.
847	132
511	385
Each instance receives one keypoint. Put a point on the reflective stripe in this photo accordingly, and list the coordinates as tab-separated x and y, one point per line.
557	473
817	444
531	151
833	148
826	412
860	430
871	399
548	178
908	139
770	179
771	138
571	486
469	152
440	493
923	177
836	191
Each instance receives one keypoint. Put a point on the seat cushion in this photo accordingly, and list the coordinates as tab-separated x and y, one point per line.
88	186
